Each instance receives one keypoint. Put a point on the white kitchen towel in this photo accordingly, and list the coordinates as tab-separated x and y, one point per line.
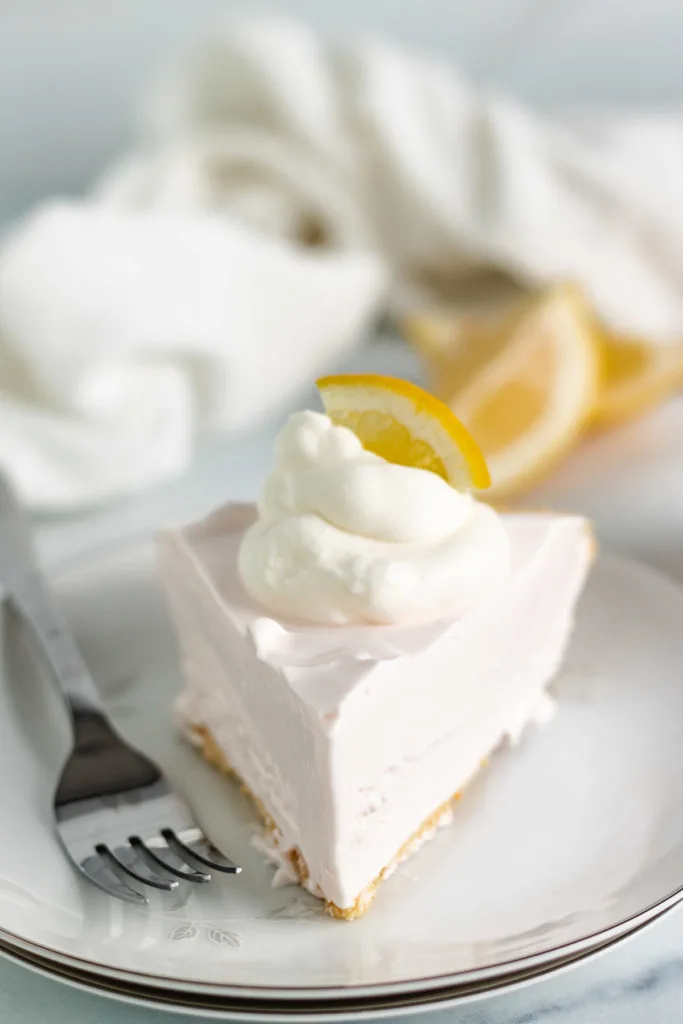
246	244
125	334
365	142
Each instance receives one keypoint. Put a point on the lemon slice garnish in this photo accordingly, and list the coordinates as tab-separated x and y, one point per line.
405	424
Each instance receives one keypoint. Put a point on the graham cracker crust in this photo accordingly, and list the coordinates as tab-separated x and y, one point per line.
205	743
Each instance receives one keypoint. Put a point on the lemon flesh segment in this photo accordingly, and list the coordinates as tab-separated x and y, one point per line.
637	375
525	384
404	424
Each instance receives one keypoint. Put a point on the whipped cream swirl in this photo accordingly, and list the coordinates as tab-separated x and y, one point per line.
345	537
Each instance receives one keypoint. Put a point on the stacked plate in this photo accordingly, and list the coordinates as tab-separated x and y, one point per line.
567	844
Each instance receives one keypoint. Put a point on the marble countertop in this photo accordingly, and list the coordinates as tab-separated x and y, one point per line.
631	483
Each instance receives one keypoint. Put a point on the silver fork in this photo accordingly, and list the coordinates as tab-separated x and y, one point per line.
116	815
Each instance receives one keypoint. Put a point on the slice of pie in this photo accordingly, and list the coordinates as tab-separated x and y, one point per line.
357	644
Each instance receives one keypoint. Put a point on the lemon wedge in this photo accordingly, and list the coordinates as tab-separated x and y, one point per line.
637	374
405	424
525	383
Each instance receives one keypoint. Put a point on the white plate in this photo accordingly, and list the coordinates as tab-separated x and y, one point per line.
570	840
307	1011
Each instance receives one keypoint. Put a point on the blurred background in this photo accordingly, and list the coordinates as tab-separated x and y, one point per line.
205	204
72	71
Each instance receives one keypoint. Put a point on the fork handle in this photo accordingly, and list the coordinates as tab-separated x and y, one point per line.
30	595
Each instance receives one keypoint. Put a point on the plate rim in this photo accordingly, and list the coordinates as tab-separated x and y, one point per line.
365	1008
59	570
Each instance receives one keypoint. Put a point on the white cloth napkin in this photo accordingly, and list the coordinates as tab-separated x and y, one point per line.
124	334
377	146
247	244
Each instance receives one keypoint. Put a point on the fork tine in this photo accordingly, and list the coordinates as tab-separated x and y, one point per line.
152	858
118	865
98	871
185	850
